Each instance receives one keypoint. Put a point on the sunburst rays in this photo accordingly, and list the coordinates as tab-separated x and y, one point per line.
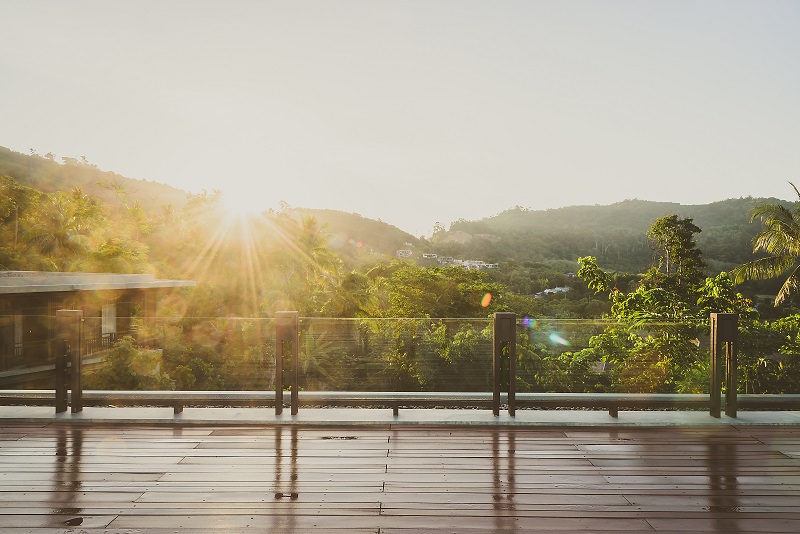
257	254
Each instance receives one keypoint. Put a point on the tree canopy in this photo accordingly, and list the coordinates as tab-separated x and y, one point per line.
780	240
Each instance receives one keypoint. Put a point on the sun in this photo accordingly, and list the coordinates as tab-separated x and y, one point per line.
242	202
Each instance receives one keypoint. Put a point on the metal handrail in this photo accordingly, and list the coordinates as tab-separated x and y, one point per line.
287	341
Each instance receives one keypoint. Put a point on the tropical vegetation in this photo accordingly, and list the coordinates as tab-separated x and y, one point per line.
780	240
637	282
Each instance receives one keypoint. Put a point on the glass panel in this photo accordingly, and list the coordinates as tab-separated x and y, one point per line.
390	355
395	354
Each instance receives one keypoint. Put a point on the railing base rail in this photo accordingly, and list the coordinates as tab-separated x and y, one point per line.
612	402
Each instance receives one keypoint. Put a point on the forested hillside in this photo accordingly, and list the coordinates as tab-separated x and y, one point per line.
360	240
128	225
73	217
615	234
44	173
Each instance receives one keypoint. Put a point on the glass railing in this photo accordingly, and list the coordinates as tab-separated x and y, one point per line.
386	355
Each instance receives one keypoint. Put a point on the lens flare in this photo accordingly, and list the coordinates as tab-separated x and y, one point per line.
527	322
487	298
555	338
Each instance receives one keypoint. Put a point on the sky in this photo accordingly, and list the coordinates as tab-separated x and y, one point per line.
414	112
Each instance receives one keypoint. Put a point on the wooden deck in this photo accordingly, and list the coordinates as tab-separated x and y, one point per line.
57	477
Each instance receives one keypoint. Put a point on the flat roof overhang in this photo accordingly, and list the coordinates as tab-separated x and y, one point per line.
23	282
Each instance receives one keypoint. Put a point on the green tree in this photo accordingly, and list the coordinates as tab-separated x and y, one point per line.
677	254
718	295
307	267
15	200
318	361
118	256
351	297
655	346
780	240
127	367
406	290
597	279
62	228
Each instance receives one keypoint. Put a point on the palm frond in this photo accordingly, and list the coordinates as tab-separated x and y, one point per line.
777	242
781	220
789	286
762	268
780	239
795	190
772	212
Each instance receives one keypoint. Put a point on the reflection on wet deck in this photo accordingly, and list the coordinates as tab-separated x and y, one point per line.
58	477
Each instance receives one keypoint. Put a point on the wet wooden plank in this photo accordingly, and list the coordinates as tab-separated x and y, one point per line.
443	522
221	530
398	480
56	521
728	523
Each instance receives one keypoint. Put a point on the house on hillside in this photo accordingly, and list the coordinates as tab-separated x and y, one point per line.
29	301
552	291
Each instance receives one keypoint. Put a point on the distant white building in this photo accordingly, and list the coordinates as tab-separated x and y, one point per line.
466	264
552	291
563	289
473	264
404	253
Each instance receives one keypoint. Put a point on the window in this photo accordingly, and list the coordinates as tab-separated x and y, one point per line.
109	320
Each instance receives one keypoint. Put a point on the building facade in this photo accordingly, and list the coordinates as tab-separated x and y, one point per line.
111	305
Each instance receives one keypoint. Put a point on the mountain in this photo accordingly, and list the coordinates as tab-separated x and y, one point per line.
615	234
361	239
47	175
356	238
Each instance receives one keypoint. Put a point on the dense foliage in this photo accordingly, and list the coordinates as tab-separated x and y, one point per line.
780	240
396	324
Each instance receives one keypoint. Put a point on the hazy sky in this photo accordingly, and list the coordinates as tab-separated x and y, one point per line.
414	112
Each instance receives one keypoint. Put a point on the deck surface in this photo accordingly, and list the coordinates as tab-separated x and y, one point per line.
61	477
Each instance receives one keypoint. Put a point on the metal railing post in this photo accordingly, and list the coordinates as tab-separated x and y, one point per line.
59	350
69	360
732	369
278	368
286	334
724	331
505	336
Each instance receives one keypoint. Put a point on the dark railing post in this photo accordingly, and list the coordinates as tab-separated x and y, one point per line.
286	334
724	331
69	360
58	347
505	335
732	369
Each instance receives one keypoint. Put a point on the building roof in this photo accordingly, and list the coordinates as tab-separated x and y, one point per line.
47	282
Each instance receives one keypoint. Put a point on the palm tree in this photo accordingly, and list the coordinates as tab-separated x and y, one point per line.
20	199
60	232
781	240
